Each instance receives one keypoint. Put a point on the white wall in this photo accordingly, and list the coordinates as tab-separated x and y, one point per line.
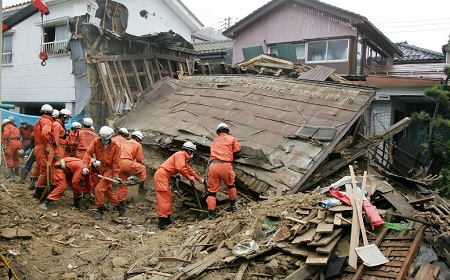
164	19
26	81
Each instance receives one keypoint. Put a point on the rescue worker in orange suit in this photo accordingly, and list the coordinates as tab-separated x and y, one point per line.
122	135
175	164
224	150
44	149
60	133
86	136
72	140
108	153
25	132
131	162
67	171
10	145
90	180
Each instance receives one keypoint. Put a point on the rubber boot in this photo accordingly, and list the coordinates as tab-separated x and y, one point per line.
142	187
233	207
44	205
16	171
99	214
77	204
162	223
23	174
211	214
169	221
122	210
32	185
38	193
11	172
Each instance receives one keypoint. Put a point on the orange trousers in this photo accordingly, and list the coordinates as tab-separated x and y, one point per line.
104	188
218	172
43	159
60	180
164	199
128	167
11	155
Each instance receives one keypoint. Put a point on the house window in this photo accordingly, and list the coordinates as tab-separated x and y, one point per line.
300	50
326	51
273	50
372	54
7	50
56	39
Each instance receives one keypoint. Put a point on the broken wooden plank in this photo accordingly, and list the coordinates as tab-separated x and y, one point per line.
304	272
315	258
305	237
324	227
421	200
241	271
326	238
327	249
411	253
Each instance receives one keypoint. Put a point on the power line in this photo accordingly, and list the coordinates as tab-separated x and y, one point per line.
420	20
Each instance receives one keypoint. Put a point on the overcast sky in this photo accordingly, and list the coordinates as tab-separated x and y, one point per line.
425	24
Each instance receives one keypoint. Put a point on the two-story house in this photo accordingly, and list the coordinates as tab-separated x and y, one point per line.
311	32
63	82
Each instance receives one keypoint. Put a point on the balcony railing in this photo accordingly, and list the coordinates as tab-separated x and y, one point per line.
56	48
7	58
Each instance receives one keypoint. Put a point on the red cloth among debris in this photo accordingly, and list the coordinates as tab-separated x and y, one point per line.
375	219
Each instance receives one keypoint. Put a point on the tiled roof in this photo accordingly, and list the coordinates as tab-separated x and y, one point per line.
413	54
213	47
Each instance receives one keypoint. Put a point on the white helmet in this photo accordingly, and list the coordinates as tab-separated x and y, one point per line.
5	121
76	125
65	113
92	129
96	164
189	146
11	118
138	134
106	132
88	122
46	109
55	113
222	127
124	131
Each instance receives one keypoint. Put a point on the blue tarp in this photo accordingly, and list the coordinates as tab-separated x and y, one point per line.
33	119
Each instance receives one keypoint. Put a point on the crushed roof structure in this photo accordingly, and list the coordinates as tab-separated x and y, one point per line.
286	127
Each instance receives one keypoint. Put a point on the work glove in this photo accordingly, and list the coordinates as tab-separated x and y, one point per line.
3	147
55	157
20	152
47	150
118	180
85	171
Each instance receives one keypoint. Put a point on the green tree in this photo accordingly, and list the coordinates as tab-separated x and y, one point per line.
437	145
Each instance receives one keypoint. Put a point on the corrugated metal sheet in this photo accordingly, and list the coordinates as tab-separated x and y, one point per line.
252	52
318	73
287	51
264	114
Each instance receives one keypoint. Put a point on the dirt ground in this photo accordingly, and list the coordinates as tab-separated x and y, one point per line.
65	243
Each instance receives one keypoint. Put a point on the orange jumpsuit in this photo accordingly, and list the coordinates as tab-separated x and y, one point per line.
11	139
70	175
59	132
25	133
86	136
175	164
220	169
90	180
109	167
130	150
119	139
43	150
72	143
